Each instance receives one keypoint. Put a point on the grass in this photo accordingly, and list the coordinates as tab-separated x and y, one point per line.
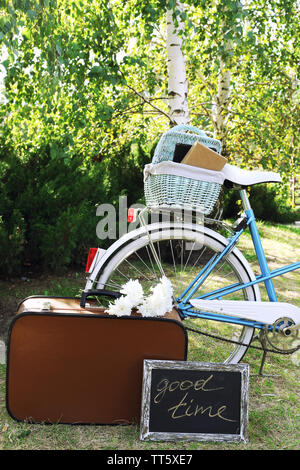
282	247
273	400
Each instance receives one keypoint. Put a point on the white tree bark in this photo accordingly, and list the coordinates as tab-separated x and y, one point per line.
220	114
177	81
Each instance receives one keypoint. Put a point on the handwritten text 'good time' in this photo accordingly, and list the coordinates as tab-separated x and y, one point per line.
187	406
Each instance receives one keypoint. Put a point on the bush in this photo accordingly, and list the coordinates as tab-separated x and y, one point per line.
267	203
48	205
12	242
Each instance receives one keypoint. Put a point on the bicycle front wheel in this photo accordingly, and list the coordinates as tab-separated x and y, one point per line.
182	254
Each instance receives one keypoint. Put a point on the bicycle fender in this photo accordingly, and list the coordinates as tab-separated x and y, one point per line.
141	232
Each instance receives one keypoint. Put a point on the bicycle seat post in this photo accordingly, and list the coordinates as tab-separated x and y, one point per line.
245	200
258	245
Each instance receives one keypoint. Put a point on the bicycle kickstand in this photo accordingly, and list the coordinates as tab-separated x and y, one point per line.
260	373
261	338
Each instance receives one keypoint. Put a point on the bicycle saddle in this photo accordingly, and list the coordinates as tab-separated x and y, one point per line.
237	176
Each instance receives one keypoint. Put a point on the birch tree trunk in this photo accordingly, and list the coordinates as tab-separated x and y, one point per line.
220	114
177	81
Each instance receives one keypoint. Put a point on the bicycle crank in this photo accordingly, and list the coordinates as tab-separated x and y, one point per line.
284	336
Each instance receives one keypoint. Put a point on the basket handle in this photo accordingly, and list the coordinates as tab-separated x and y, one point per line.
186	127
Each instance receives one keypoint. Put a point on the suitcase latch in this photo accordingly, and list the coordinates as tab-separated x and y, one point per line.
46	306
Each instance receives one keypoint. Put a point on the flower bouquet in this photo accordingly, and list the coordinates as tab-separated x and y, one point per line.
157	304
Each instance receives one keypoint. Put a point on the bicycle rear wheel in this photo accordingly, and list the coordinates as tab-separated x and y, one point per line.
182	254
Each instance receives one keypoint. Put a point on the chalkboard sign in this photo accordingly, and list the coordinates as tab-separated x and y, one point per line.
194	401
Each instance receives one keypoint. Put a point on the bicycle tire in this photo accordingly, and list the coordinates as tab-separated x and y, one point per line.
234	268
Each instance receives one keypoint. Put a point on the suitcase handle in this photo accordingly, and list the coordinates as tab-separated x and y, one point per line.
86	294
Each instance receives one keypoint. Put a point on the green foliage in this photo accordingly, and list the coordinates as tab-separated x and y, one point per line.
48	205
270	205
267	202
12	241
83	83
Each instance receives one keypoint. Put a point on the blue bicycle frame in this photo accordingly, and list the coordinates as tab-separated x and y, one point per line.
266	275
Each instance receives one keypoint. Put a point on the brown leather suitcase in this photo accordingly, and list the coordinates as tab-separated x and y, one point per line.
68	363
38	303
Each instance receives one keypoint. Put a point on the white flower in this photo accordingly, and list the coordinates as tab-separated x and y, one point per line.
134	292
156	305
153	306
160	301
121	306
167	287
144	309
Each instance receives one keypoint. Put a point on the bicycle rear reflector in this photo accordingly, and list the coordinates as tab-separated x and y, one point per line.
131	217
91	258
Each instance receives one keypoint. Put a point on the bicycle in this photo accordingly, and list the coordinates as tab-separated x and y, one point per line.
205	266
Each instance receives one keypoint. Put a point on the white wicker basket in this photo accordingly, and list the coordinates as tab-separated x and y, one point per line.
165	190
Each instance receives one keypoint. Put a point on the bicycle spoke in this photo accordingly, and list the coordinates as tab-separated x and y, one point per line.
182	258
173	258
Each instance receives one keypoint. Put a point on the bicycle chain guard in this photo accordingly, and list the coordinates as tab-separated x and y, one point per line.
240	343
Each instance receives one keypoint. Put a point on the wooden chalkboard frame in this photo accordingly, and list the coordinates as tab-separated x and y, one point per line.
145	423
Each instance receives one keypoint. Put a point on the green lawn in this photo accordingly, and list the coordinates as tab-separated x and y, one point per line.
273	400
